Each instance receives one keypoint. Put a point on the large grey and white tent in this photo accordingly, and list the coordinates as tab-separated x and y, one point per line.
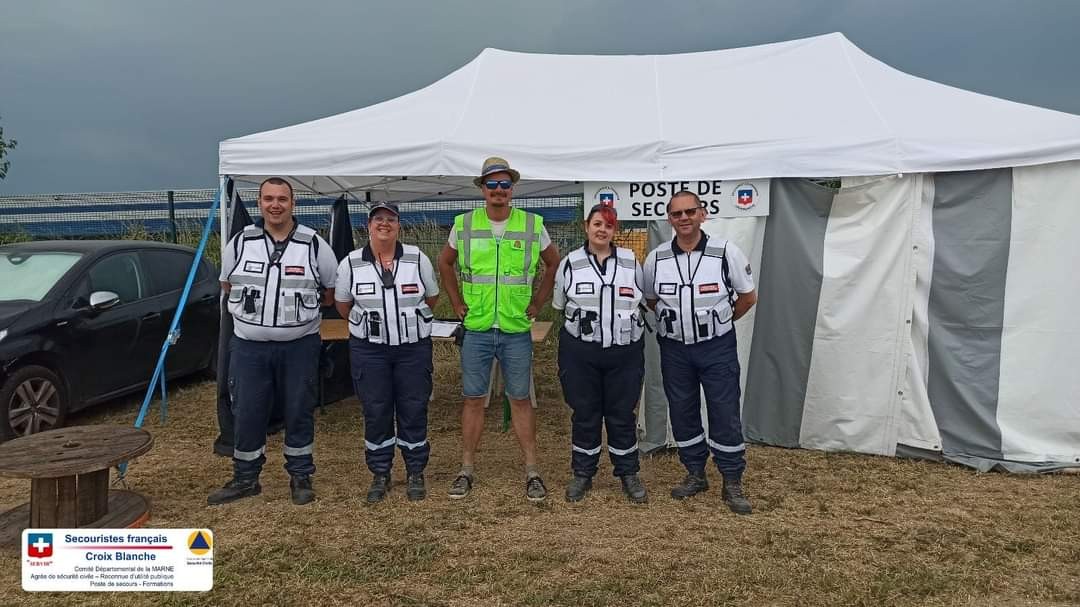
922	308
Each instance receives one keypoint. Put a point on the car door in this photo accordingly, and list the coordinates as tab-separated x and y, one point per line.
168	270
106	351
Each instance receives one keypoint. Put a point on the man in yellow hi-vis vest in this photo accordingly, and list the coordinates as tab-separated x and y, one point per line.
498	249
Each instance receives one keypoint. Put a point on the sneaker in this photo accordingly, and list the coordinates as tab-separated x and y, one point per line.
234	490
634	489
300	488
733	495
461	486
693	484
416	490
380	486
535	490
578	487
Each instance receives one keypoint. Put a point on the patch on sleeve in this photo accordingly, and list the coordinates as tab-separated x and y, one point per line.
254	267
747	269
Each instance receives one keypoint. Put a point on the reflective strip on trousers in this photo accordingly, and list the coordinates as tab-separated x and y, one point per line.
376	446
615	451
305	450
725	448
688	443
585	451
249	456
408	445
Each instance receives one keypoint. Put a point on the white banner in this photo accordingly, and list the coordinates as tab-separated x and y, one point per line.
647	200
116	560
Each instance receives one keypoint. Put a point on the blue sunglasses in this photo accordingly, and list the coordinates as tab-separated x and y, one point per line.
505	184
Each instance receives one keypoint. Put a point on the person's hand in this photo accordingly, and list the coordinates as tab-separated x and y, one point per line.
532	310
461	310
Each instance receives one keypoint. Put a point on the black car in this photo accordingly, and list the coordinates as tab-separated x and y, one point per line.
83	321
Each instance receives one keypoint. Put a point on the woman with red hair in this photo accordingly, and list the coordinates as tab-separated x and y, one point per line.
601	354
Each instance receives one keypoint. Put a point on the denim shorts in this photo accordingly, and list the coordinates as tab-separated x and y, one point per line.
514	351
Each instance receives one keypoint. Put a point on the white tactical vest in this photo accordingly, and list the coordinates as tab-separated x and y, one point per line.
271	288
695	303
601	309
393	313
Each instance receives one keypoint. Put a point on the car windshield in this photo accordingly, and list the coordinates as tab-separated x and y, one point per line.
26	275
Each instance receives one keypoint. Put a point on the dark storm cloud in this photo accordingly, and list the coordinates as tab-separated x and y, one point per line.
110	95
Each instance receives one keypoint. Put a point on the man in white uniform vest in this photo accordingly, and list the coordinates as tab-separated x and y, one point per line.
277	277
699	287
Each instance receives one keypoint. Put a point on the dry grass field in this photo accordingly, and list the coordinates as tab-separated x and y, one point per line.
829	529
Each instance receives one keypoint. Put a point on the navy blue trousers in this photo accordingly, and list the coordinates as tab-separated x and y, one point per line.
602	387
260	373
393	383
712	366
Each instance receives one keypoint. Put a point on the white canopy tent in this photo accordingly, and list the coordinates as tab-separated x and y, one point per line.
919	309
816	107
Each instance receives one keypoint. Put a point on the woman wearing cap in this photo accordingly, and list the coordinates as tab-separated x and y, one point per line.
387	291
601	354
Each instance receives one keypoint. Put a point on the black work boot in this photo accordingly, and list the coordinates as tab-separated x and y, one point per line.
634	489
380	486
578	487
693	484
300	487
415	491
733	495
234	490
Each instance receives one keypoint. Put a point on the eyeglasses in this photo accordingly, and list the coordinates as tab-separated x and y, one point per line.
676	214
505	184
384	219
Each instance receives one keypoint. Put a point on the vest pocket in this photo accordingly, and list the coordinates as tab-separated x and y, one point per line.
358	326
703	324
307	306
246	303
424	317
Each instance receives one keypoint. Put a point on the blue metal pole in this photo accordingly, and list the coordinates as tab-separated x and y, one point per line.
174	329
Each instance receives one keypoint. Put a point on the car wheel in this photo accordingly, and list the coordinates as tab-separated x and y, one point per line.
33	400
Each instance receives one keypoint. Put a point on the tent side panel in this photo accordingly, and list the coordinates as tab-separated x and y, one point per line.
653	428
972	215
789	283
917	427
859	351
1039	400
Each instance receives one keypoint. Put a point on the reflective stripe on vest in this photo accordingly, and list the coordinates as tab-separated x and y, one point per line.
393	316
497	274
602	308
694	294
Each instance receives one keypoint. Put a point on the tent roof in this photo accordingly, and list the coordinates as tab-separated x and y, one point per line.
816	107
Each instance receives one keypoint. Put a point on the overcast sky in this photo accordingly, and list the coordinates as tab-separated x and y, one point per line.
110	95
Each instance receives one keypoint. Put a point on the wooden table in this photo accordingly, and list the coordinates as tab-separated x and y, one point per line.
68	470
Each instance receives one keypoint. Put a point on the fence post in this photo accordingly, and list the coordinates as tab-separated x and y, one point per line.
172	218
